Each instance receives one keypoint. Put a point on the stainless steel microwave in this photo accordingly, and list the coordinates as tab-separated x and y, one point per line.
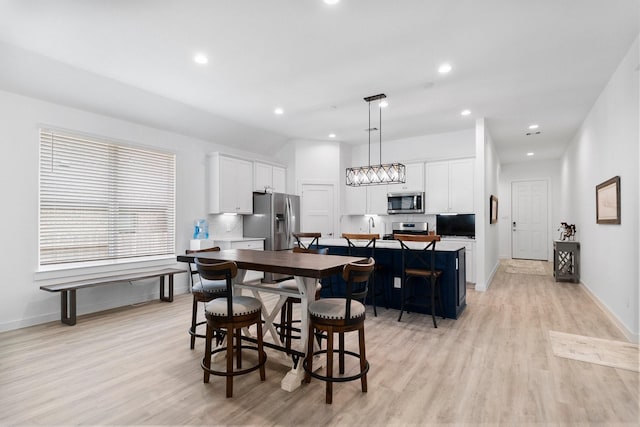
405	203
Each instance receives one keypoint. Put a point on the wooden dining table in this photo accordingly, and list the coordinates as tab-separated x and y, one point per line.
307	269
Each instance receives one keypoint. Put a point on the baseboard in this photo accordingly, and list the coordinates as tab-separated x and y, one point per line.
632	337
482	287
87	308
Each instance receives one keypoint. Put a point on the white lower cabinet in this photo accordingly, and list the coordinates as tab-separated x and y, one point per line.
470	259
243	243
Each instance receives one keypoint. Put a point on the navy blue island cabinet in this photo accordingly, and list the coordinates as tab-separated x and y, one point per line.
453	279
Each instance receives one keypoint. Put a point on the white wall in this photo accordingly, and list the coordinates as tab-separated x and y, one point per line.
432	147
22	302
606	145
547	170
487	172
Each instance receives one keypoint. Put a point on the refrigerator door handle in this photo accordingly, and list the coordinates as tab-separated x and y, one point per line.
287	222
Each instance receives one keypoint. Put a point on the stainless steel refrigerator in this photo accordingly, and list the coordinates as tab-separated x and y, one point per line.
275	217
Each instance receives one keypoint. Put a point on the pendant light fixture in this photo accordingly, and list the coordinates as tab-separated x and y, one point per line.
390	173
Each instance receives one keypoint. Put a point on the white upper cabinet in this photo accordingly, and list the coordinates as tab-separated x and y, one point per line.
414	179
449	186
366	200
437	187
268	177
230	185
355	201
377	198
279	179
461	185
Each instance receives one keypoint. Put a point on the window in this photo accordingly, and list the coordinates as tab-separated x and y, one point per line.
103	201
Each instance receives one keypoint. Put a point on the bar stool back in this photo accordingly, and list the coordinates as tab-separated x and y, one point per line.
420	264
313	236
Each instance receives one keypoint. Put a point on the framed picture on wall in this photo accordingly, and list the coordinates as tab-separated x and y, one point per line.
493	209
608	201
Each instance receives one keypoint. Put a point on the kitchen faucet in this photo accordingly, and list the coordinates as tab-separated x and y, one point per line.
372	223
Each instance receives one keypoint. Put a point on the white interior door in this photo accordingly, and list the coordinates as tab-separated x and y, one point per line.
529	220
317	206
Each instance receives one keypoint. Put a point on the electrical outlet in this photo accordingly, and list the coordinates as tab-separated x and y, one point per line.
228	228
397	283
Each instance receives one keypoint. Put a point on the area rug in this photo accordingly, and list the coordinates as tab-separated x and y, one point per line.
524	266
616	354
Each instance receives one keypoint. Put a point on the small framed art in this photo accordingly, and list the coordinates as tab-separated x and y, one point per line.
493	209
608	201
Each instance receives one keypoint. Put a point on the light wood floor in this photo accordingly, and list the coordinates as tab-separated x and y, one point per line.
494	365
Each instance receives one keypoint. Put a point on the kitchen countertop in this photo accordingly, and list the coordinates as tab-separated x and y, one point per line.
236	239
442	245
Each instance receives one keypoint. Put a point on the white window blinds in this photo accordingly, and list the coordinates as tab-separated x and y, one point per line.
101	201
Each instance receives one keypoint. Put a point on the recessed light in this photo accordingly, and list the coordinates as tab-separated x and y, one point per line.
332	2
332	135
444	68
384	104
530	153
200	58
279	111
465	112
534	126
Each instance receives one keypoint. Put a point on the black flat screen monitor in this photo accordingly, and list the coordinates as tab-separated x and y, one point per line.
456	225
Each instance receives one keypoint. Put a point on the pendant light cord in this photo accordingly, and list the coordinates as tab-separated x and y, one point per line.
369	130
380	131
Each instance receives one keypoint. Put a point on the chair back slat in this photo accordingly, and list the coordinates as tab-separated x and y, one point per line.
193	270
368	250
350	237
425	257
314	239
352	273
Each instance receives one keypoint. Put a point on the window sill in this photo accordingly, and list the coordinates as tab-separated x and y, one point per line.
83	270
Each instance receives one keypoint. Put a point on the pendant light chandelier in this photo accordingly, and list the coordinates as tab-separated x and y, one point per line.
390	173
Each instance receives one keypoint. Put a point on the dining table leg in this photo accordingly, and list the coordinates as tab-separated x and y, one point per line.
307	289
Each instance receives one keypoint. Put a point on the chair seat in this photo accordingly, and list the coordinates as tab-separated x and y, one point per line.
334	309
292	285
422	273
210	286
242	305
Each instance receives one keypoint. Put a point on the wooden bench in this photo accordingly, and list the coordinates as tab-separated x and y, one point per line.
68	289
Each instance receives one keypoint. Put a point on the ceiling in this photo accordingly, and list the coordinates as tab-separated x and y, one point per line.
515	63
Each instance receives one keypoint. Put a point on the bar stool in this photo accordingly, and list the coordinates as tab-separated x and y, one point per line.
369	250
231	313
420	264
339	315
203	291
286	313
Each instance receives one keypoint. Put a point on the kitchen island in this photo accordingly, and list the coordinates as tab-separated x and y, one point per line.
450	258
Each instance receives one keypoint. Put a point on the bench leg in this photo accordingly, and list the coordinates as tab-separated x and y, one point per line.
168	298
68	307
